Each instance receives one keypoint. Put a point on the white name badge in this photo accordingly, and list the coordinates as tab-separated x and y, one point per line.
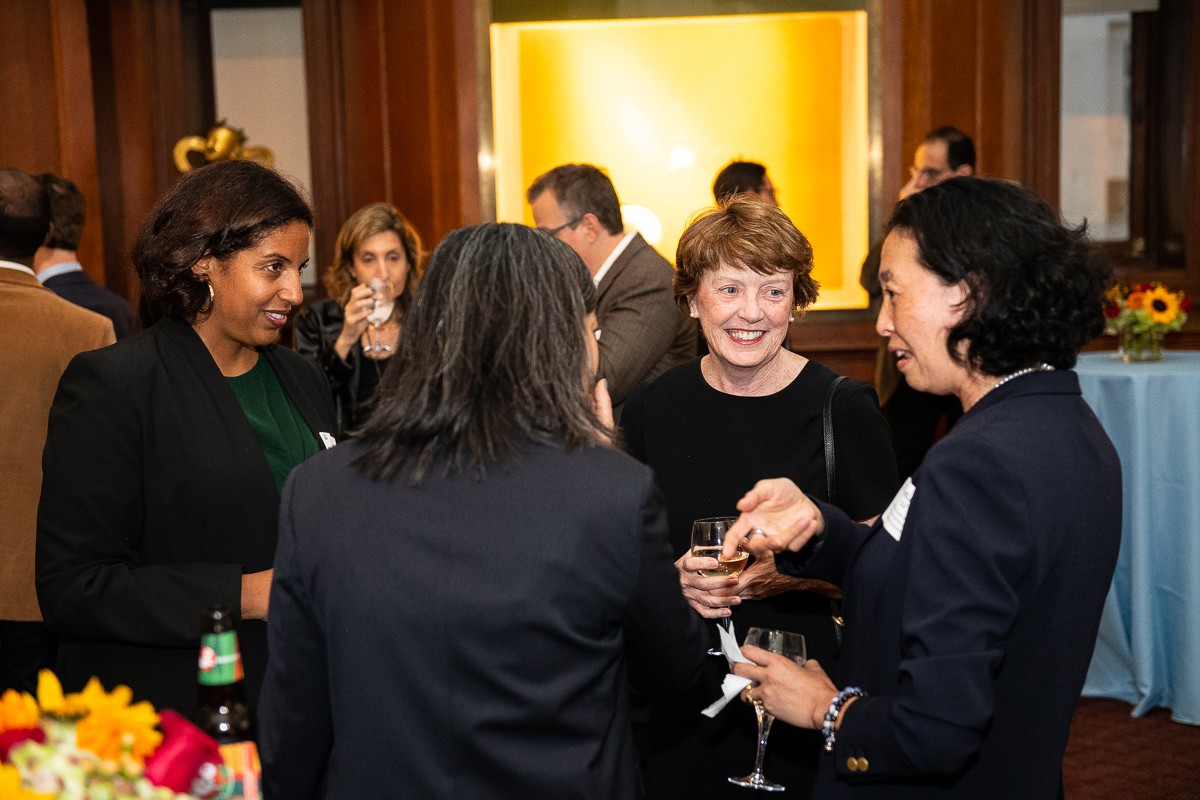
327	440
897	511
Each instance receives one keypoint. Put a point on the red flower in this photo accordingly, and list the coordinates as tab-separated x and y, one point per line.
11	738
1143	287
1112	310
1185	305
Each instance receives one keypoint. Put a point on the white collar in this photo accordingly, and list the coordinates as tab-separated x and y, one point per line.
61	268
613	256
17	267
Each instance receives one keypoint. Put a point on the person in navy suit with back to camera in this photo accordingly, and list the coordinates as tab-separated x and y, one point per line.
467	591
972	604
57	262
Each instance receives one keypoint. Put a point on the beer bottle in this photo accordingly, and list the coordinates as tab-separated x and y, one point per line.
221	709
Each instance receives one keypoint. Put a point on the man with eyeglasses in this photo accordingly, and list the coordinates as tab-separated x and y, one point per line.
642	331
916	417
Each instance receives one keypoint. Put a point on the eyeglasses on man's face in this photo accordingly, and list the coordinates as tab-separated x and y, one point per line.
928	175
563	227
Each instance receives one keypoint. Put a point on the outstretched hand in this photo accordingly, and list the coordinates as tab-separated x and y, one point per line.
776	516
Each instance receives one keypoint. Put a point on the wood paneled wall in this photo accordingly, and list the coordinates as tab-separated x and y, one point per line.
101	91
392	112
47	121
106	87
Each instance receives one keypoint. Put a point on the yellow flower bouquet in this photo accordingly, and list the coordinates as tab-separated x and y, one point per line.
1141	314
95	744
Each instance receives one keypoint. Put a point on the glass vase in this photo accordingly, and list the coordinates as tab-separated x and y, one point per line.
1143	346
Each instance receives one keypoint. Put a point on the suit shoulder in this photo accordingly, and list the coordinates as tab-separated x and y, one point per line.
645	255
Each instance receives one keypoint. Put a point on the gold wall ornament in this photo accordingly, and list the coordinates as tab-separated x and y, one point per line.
224	143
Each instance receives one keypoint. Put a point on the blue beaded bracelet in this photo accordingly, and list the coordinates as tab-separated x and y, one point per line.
835	709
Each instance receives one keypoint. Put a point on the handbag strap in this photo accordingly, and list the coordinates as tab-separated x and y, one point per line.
827	424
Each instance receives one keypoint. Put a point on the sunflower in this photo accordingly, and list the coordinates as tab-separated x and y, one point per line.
1161	305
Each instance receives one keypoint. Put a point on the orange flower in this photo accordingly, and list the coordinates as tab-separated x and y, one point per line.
18	711
113	726
1135	300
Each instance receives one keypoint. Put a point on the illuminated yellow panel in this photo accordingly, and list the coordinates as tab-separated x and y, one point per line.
663	104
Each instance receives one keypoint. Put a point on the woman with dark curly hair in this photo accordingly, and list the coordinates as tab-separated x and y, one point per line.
339	332
167	451
972	604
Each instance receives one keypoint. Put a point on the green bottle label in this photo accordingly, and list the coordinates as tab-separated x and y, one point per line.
220	660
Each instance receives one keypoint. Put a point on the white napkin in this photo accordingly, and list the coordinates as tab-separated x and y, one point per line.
732	686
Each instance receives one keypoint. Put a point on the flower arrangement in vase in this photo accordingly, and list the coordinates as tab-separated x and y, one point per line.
1140	315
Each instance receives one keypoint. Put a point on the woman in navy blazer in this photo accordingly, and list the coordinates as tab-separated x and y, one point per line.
166	451
972	604
466	591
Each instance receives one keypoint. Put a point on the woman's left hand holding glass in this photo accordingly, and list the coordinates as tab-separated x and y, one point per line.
710	597
798	695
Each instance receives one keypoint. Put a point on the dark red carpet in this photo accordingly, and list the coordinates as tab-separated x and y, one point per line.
1111	755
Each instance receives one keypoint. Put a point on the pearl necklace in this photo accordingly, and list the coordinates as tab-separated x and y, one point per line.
1039	368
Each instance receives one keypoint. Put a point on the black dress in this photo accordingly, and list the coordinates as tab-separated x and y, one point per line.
353	381
707	449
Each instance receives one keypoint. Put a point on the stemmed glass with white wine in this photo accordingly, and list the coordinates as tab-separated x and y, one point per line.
787	644
381	294
707	537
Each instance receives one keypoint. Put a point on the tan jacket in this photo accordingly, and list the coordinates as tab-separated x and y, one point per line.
39	333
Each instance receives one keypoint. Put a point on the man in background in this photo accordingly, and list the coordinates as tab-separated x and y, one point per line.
642	332
744	177
39	334
917	418
57	265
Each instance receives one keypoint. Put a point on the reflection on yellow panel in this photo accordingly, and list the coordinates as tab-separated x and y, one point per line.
663	104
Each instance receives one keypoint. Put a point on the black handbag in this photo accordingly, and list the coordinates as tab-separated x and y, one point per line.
835	606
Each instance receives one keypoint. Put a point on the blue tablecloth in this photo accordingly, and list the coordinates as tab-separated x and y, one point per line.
1148	650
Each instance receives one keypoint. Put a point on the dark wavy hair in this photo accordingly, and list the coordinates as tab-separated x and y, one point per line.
1035	286
360	226
743	231
493	356
217	210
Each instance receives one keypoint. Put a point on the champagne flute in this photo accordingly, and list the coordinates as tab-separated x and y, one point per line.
792	646
381	291
708	535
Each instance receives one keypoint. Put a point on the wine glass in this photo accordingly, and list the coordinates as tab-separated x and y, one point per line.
707	537
792	646
381	291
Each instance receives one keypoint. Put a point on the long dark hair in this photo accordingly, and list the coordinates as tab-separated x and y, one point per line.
492	357
216	211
